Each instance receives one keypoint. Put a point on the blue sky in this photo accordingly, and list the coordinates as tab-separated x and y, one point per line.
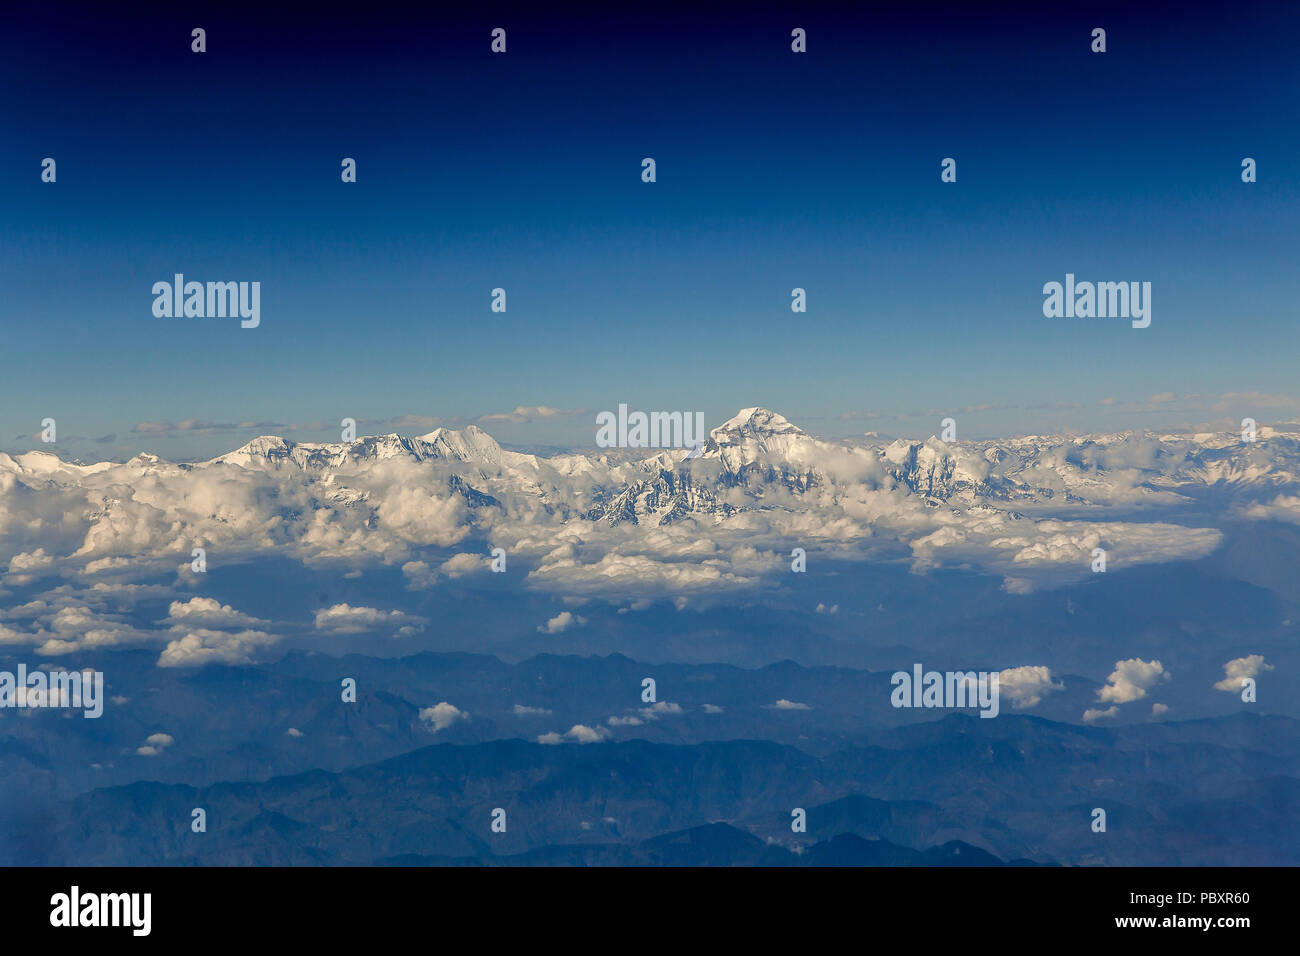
522	171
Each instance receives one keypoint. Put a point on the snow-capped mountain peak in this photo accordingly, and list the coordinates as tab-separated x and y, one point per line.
757	422
758	436
470	443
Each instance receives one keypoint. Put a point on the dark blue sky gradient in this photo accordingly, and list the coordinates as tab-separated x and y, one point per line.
775	170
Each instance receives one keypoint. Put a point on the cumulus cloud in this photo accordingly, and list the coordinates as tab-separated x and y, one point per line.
459	565
578	733
415	517
1051	543
62	626
1131	680
155	744
562	622
30	561
346	619
618	572
419	576
206	612
1092	715
202	646
659	709
784	704
1027	686
1240	668
1281	508
441	716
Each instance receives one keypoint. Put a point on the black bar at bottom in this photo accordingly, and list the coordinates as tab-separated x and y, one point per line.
644	907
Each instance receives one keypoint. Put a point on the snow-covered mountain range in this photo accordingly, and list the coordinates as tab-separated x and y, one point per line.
588	524
83	545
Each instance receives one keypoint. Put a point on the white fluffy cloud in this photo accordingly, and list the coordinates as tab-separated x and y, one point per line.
660	708
459	565
1027	686
30	561
62	624
1131	680
415	516
578	733
155	744
346	619
206	612
621	573
203	646
420	576
441	716
1281	508
562	622
1252	665
1092	715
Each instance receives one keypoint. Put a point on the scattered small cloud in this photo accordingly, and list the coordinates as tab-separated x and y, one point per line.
155	744
660	709
578	733
520	710
441	716
1241	668
1092	715
525	414
563	621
